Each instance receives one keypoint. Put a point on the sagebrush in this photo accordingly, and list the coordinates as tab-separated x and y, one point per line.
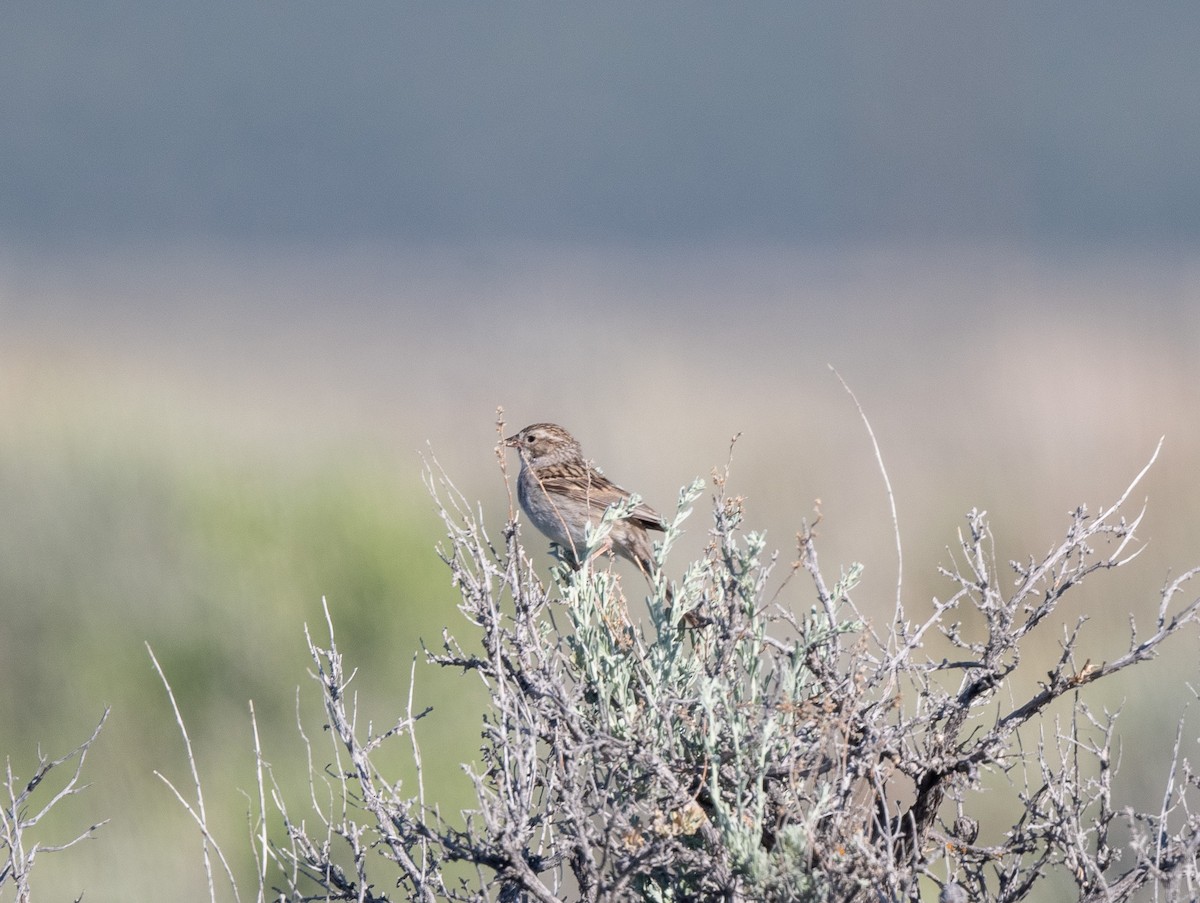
747	736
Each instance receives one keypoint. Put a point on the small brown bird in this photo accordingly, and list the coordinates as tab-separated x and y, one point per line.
561	493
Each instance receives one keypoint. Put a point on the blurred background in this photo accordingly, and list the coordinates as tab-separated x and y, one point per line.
256	259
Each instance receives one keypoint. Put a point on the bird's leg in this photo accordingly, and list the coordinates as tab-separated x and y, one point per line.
571	557
566	554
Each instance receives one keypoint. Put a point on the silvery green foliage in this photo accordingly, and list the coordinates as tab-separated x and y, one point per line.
772	745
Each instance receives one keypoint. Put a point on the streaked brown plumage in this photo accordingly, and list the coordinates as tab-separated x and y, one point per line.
561	492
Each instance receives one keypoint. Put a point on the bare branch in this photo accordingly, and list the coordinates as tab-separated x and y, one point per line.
18	850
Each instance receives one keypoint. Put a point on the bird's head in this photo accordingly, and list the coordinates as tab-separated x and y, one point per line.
545	443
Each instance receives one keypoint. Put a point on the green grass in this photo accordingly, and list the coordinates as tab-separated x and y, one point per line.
216	554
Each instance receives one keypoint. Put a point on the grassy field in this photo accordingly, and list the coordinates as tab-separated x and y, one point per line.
128	525
193	452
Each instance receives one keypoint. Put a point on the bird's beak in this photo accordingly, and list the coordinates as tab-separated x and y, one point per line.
511	441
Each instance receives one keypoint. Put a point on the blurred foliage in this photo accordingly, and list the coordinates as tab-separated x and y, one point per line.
116	533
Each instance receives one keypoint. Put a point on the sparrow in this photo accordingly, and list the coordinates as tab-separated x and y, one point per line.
561	492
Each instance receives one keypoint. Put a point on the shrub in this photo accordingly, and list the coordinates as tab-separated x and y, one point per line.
775	751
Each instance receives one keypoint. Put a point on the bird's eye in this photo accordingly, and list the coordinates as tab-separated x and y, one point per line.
529	439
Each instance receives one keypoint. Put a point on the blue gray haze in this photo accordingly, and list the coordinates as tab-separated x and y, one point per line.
326	123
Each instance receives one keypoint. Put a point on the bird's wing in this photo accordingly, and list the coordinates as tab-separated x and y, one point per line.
601	492
648	518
